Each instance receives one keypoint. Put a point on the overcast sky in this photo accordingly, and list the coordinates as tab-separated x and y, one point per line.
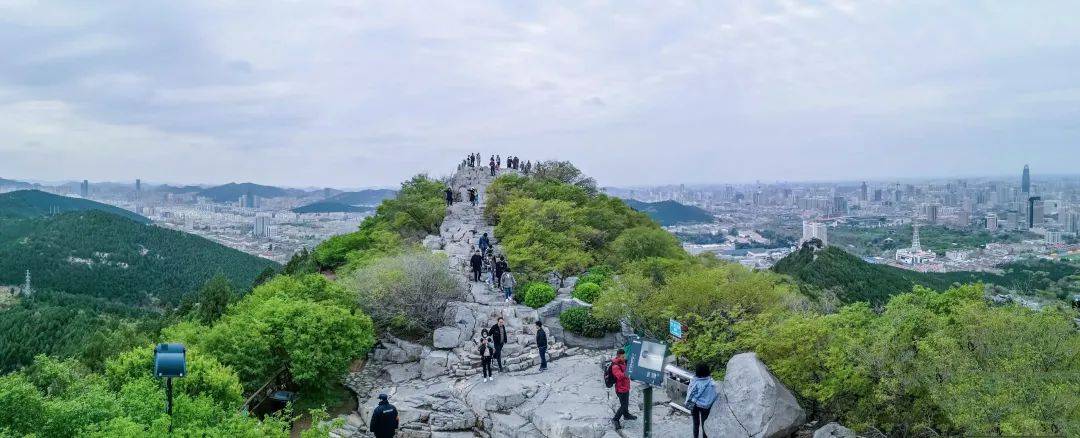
349	94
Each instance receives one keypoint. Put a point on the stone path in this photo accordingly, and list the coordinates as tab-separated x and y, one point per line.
438	390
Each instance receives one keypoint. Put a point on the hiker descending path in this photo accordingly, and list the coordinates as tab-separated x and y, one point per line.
438	389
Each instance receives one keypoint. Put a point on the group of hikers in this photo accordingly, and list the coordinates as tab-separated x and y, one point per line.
495	163
488	266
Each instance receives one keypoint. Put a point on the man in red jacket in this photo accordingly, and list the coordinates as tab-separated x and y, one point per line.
622	388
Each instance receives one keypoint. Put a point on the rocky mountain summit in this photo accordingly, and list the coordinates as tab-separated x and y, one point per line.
439	392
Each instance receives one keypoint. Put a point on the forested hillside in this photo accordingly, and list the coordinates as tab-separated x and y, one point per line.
231	192
330	207
106	256
33	203
853	279
671	212
363	197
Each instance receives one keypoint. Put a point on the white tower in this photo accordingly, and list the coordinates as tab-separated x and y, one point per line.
27	290
915	245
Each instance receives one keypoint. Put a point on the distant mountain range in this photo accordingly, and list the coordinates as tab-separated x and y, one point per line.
231	192
671	213
331	207
12	184
363	197
36	203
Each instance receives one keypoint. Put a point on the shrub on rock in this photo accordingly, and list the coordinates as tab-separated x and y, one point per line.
587	292
538	294
581	321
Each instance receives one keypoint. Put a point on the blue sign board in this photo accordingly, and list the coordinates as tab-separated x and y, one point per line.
646	361
675	328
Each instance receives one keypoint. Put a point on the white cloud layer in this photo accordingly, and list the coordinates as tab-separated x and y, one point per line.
368	93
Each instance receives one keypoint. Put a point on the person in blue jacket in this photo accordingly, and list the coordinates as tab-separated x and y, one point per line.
700	396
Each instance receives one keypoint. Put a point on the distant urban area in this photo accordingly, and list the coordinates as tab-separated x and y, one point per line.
270	222
945	225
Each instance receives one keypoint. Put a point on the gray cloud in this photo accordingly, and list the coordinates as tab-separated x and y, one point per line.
367	93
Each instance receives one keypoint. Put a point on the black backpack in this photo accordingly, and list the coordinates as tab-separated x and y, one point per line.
609	377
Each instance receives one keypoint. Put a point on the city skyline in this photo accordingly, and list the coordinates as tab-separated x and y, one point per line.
368	94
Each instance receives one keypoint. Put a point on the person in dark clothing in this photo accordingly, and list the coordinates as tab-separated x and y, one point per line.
476	262
498	337
500	267
541	344
486	351
384	418
622	388
485	244
449	197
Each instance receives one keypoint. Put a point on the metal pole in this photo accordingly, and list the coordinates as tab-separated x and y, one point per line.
647	420
168	405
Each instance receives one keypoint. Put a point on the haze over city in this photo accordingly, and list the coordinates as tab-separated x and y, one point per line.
350	94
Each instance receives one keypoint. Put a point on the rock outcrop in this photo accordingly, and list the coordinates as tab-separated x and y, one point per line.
753	403
834	430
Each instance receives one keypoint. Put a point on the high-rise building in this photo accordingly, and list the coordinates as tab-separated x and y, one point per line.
1053	237
863	193
84	189
262	226
931	212
839	206
1037	216
138	186
991	222
877	195
1025	180
249	200
814	230
1072	220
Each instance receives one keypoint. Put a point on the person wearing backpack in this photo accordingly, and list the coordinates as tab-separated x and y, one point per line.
486	350
484	243
622	388
700	396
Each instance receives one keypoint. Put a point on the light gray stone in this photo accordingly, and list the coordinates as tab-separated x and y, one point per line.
834	430
432	242
434	364
753	403
398	373
446	338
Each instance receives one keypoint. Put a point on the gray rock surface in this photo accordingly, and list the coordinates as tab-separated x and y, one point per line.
446	337
834	430
753	403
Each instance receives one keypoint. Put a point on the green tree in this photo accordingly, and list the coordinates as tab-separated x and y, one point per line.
644	242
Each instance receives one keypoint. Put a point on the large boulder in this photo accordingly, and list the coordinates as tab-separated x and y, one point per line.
834	430
753	403
446	338
434	364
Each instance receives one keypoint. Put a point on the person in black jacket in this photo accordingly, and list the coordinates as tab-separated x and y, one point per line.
499	268
384	418
476	262
541	344
449	197
498	336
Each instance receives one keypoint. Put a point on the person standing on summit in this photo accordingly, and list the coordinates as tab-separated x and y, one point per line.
492	166
449	197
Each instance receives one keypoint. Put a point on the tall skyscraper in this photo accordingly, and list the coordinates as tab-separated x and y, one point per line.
84	189
1025	180
931	211
863	194
1034	217
138	188
249	200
